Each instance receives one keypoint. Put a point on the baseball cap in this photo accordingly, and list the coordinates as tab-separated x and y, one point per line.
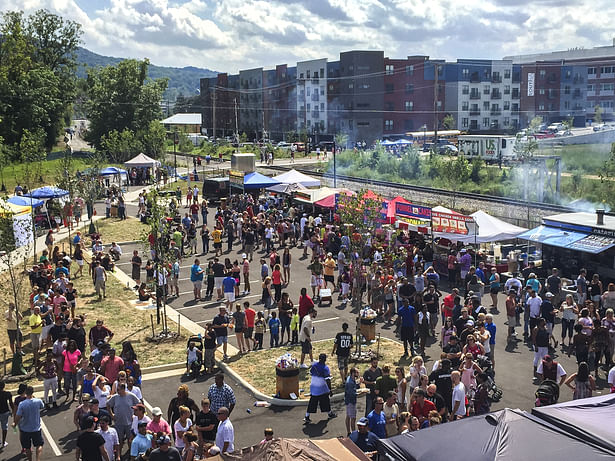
142	424
548	358
138	406
548	294
93	401
156	411
363	421
163	440
244	256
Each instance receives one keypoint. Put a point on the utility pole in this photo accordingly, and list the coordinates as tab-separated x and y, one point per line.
236	125
435	107
214	112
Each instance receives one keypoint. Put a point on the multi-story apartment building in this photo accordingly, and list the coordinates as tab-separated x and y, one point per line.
251	114
483	95
280	101
312	96
408	101
540	91
220	94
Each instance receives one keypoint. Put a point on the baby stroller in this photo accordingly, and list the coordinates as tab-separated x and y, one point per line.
195	367
495	393
547	393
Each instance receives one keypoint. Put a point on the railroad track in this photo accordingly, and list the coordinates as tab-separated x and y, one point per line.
432	190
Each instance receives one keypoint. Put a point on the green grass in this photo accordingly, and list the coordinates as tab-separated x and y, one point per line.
14	173
587	158
258	368
116	230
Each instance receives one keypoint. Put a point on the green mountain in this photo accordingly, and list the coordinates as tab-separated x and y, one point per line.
184	80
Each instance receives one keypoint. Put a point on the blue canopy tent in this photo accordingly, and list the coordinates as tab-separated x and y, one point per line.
256	180
386	142
111	170
25	201
47	192
402	142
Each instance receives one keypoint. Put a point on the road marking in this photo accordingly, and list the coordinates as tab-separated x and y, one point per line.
214	303
52	443
325	320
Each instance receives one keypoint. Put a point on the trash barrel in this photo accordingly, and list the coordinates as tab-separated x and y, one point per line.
287	382
368	328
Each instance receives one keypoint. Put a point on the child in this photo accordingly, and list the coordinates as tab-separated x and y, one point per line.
274	330
345	286
209	348
264	270
259	330
294	326
192	357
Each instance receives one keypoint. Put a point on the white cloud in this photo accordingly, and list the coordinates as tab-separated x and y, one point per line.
228	35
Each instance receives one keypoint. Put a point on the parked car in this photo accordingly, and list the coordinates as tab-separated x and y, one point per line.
300	146
283	145
598	127
448	149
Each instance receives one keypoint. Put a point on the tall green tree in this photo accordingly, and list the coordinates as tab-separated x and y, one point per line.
448	122
37	74
122	98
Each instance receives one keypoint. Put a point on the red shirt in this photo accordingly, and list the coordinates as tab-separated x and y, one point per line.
250	314
424	412
305	304
276	277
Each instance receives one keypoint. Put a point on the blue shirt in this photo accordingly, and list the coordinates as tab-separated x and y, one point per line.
229	284
377	423
320	372
194	273
491	328
30	412
140	444
366	442
534	283
480	274
350	391
274	326
407	314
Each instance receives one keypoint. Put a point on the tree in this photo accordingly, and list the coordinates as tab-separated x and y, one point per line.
122	98
607	180
153	140
534	125
341	140
37	74
32	155
448	122
410	165
477	166
119	147
598	114
454	173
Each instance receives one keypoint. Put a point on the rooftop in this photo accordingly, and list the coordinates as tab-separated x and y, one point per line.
583	219
183	119
567	55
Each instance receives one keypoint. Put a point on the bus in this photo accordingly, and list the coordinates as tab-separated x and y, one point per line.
444	136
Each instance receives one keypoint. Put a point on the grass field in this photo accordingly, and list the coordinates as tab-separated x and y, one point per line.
14	173
116	230
258	368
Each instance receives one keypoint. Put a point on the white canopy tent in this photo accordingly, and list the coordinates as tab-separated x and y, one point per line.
286	188
295	177
142	160
490	229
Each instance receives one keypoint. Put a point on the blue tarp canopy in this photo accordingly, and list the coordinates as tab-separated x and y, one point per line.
402	142
47	192
25	201
258	181
111	170
570	239
386	142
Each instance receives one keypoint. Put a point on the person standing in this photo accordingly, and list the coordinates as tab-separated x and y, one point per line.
206	424
221	395
225	434
90	444
196	277
120	407
13	316
220	325
99	276
28	418
458	400
540	342
369	378
407	314
164	452
109	434
320	389
377	419
305	337
350	398
341	347
36	328
6	409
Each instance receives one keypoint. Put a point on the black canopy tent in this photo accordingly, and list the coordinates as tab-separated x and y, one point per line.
589	419
503	435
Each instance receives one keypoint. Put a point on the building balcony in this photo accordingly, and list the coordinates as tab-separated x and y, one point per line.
591	76
514	110
496	95
607	93
474	112
578	79
496	79
474	95
515	95
591	93
607	75
496	112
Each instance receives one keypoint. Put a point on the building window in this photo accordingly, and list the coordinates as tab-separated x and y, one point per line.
568	74
308	73
465	89
567	89
541	91
308	107
439	104
606	87
465	105
365	86
591	71
542	73
388	125
389	87
566	104
322	106
350	86
506	121
409	88
409	70
607	69
506	89
486	89
322	72
308	90
507	73
350	125
590	87
465	73
541	107
486	122
464	122
330	87
301	75
486	105
409	106
389	69
506	105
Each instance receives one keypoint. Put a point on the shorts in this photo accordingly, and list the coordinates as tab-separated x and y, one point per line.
221	340
316	280
512	321
230	297
217	245
319	400
247	332
123	432
13	334
35	338
28	439
351	410
306	347
209	358
239	329
45	331
4	420
345	288
329	278
218	282
494	291
175	281
198	284
549	328
342	362
80	262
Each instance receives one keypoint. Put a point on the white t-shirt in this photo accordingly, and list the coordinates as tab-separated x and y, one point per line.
534	306
192	355
485	343
111	439
102	396
136	421
560	370
136	391
179	441
225	433
459	394
611	378
305	323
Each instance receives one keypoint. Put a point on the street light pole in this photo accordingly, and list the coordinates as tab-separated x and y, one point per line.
334	166
175	150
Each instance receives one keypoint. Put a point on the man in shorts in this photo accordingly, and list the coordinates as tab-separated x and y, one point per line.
196	277
329	269
249	330
350	398
228	284
28	418
316	279
305	337
220	324
218	270
6	409
36	328
120	407
341	347
320	389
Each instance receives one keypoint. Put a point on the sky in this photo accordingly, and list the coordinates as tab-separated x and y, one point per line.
228	35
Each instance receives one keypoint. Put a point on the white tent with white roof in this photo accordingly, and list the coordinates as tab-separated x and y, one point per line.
295	177
142	160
